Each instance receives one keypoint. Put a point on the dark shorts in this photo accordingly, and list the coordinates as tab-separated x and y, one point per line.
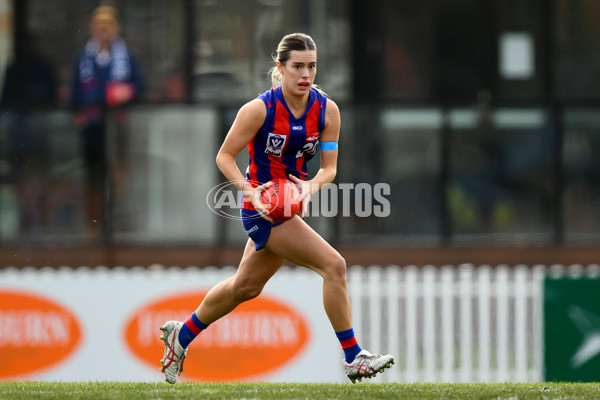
257	228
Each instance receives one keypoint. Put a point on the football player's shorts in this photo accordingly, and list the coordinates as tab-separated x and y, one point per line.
257	228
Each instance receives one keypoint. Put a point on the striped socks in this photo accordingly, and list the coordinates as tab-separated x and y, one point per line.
349	344
190	329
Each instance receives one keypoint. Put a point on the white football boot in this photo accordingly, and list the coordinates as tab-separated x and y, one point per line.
367	365
172	360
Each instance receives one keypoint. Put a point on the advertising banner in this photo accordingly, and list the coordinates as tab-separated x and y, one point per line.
572	329
103	325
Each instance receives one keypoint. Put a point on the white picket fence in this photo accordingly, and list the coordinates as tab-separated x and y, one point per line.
455	323
443	324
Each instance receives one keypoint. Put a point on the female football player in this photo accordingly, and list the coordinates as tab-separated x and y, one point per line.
282	129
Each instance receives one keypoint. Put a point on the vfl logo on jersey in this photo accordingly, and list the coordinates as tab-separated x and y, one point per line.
275	144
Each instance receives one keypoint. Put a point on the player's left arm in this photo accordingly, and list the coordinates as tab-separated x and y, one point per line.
328	170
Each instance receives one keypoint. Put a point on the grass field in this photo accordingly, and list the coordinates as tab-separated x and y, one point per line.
164	391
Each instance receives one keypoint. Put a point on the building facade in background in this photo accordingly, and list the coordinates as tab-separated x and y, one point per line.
481	117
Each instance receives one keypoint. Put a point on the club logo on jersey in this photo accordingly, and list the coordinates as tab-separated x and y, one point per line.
275	144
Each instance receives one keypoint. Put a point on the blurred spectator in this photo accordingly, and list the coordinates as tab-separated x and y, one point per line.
30	88
106	78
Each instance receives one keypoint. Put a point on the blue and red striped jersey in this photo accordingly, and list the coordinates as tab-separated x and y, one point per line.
284	143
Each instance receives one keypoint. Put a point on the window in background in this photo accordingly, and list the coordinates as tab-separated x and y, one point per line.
58	34
436	50
464	50
235	41
170	171
577	52
42	156
41	174
408	30
500	178
41	193
581	165
153	30
400	148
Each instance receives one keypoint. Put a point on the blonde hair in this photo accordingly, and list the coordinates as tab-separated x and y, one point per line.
293	41
105	10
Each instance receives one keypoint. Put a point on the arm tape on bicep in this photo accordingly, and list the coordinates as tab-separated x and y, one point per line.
326	146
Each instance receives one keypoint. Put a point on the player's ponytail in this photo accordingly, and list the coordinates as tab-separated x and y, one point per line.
293	41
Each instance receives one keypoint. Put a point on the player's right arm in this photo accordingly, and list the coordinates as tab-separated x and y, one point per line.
245	126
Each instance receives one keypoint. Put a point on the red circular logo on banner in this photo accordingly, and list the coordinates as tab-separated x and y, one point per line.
35	333
258	337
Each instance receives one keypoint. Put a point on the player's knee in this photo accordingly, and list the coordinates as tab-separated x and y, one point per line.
245	292
337	268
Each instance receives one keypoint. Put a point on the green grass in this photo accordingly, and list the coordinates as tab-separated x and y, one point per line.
164	391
